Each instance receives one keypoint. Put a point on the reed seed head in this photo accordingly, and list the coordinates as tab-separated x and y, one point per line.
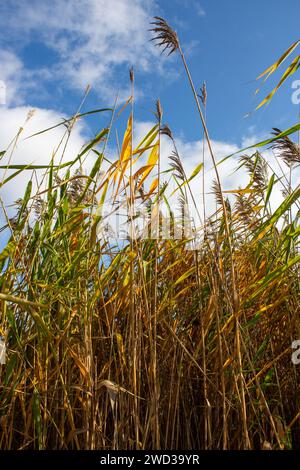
164	35
203	94
131	74
158	110
165	130
287	149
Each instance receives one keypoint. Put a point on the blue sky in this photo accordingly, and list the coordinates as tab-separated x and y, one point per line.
51	50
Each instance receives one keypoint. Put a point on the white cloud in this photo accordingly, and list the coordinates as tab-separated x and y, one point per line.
199	9
91	38
195	4
10	75
191	154
36	150
39	150
17	80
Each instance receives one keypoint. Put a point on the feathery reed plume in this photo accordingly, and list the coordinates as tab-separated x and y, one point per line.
288	150
203	94
164	35
244	209
158	110
38	206
177	166
131	74
217	192
257	169
165	130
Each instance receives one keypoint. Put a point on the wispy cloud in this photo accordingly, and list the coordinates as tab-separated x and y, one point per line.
192	4
199	9
92	39
11	74
37	150
40	149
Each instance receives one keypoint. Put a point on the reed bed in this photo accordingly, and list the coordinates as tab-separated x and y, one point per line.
150	345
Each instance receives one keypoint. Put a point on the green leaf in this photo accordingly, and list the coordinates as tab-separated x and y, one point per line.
275	66
263	283
263	143
289	71
269	189
94	142
10	177
29	167
36	410
287	203
196	171
66	121
185	275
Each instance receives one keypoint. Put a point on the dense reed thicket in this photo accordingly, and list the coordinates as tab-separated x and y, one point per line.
151	344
